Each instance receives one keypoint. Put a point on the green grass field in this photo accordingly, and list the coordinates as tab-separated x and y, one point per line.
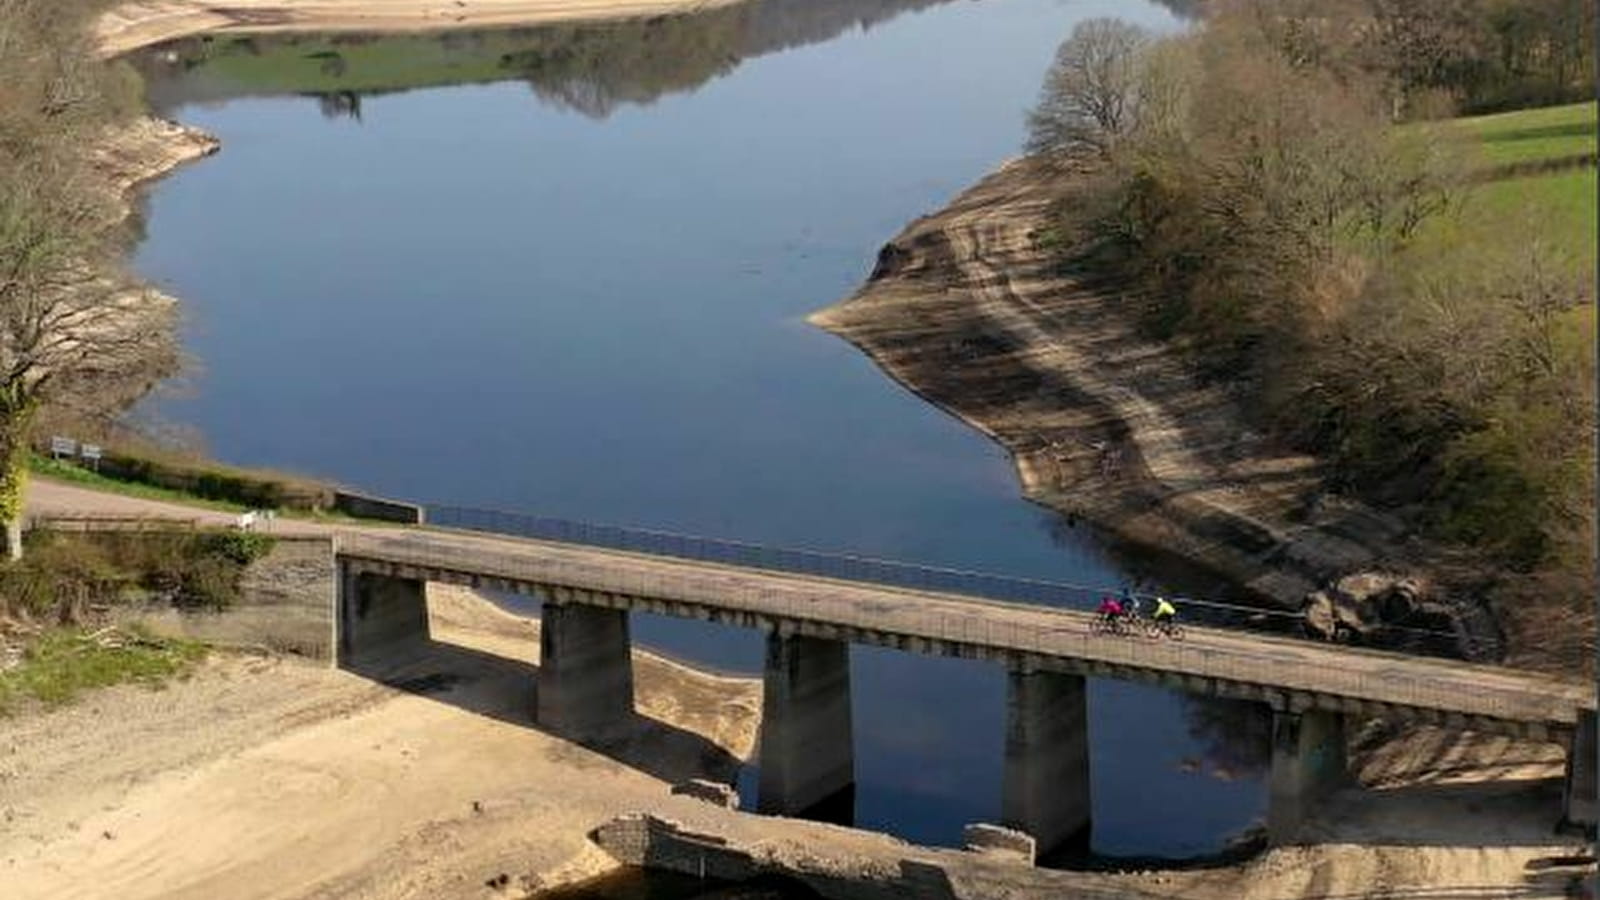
1533	134
1558	205
1563	202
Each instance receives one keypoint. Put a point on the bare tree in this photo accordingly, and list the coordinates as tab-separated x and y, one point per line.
73	333
1091	93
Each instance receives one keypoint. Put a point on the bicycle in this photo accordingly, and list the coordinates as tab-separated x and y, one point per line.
1169	628
1104	625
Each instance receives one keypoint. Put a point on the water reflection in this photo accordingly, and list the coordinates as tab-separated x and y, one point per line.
588	68
1234	737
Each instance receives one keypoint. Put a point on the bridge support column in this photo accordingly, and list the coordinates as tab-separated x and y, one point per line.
1308	763
585	671
382	620
1579	801
807	757
1046	782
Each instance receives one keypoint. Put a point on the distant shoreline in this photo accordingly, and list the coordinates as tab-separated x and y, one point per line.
146	22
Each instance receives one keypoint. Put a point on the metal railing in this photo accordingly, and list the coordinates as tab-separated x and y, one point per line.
1005	627
891	573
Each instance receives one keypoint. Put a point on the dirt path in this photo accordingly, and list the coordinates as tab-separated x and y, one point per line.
145	22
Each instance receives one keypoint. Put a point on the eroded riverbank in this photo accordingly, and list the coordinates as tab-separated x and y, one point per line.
971	310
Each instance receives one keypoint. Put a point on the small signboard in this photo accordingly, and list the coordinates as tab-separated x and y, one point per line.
91	455
61	446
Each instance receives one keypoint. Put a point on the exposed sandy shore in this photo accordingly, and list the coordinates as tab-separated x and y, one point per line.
269	777
145	22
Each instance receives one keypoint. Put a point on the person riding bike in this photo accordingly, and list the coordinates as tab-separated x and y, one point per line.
1110	610
1130	603
1164	613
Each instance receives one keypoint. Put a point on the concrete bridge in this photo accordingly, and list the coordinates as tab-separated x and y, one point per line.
806	764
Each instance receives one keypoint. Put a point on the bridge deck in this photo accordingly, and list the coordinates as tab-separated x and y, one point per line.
866	612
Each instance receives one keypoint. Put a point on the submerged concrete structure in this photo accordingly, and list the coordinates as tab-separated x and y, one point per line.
807	764
806	758
1046	776
1308	763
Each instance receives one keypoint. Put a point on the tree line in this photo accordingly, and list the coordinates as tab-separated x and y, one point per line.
1272	178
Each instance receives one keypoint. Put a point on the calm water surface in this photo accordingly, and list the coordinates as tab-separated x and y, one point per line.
566	273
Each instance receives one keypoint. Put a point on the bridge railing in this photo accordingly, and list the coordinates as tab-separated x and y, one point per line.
890	573
1005	627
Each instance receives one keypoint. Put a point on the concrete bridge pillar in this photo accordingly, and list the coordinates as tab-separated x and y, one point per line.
1308	763
585	671
382	620
1580	805
1046	782
807	759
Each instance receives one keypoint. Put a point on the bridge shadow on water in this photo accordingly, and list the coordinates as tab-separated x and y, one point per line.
507	690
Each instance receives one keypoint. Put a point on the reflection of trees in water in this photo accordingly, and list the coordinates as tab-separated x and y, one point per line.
1235	736
588	68
596	68
339	105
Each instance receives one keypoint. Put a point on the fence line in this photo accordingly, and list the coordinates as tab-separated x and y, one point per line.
891	573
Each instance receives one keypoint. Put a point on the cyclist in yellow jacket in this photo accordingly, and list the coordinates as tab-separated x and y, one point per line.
1165	612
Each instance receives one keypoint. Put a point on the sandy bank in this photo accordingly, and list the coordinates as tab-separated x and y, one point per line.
967	309
268	777
145	22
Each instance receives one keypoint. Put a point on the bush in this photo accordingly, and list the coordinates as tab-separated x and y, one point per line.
242	547
64	576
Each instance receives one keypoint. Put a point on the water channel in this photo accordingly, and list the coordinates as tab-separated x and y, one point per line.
565	271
